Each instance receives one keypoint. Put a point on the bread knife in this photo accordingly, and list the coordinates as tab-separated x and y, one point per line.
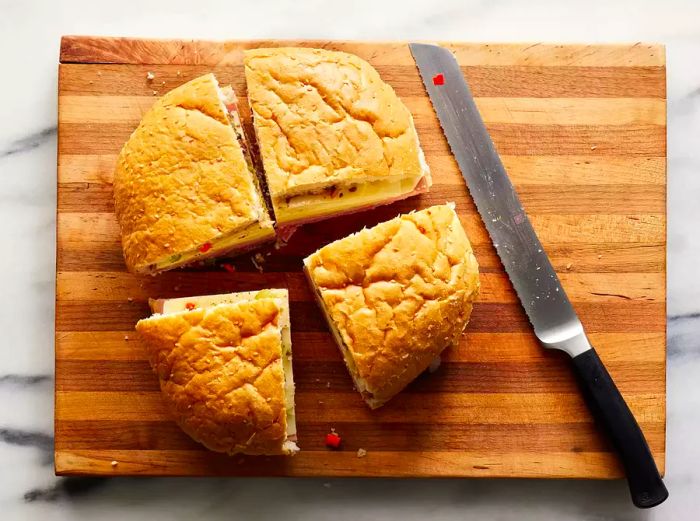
553	318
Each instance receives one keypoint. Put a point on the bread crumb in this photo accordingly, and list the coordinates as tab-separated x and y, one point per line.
328	385
326	485
320	402
178	73
593	147
129	299
126	337
258	261
90	82
150	75
568	266
600	256
99	73
115	463
155	93
361	453
162	83
268	399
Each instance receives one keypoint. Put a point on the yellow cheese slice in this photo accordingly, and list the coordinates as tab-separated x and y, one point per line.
309	206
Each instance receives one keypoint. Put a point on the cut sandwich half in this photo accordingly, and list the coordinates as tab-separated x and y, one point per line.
395	296
333	137
184	187
224	363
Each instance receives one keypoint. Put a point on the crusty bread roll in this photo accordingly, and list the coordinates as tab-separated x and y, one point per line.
395	296
225	371
184	188
333	137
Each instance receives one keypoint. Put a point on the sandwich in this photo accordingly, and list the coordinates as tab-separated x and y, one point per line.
184	186
395	296
333	137
224	363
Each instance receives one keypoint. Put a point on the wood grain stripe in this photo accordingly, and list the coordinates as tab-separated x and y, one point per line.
510	139
101	49
575	257
553	376
594	465
559	170
407	437
538	199
532	111
407	407
495	287
625	316
484	81
578	229
320	347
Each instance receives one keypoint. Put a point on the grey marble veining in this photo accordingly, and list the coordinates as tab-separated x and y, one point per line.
29	34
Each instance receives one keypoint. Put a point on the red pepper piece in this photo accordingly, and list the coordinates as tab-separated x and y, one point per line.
189	306
229	267
332	440
205	247
438	79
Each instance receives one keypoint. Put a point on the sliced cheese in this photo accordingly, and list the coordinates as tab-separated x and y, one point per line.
239	240
310	206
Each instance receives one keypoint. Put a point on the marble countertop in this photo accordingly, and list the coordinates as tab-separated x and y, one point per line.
29	34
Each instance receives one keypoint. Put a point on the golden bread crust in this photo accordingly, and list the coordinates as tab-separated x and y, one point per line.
221	374
397	294
326	118
181	179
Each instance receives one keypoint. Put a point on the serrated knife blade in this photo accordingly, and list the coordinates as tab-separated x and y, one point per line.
536	283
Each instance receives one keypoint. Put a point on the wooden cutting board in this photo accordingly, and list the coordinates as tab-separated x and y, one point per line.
582	132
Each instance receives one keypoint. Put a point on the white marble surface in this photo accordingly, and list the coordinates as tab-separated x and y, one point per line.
29	39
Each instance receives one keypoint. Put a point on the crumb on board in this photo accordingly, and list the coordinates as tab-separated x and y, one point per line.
129	299
150	76
568	266
320	402
126	337
593	147
600	256
155	93
361	453
328	385
115	463
258	260
178	73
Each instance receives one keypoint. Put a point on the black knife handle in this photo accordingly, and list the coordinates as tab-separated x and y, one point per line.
610	410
